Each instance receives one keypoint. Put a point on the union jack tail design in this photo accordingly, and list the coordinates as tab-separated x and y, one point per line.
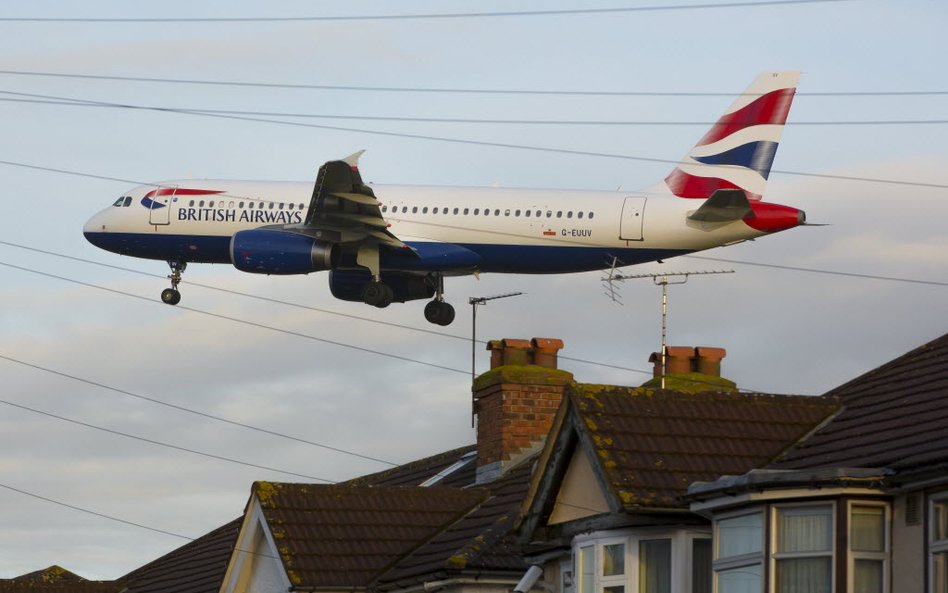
738	151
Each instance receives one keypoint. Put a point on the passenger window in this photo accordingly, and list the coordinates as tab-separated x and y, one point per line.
559	214
549	213
424	210
527	213
240	205
414	210
591	214
231	205
201	203
302	206
569	214
444	210
516	213
455	210
486	211
272	205
507	212
404	209
434	210
579	214
191	204
281	205
497	212
477	211
210	204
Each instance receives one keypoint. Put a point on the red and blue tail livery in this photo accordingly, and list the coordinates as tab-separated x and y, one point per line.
738	151
394	243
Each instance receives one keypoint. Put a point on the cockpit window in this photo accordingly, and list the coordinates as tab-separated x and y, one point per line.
128	201
119	202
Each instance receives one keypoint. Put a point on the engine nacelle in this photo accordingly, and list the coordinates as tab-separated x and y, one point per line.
266	251
347	285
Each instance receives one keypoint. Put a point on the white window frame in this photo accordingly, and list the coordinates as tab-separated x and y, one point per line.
744	560
934	546
681	557
884	556
774	556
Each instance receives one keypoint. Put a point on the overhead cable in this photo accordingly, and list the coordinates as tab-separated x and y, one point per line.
190	410
470	91
242	321
418	16
70	102
161	443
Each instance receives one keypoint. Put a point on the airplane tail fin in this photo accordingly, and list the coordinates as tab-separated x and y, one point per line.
738	151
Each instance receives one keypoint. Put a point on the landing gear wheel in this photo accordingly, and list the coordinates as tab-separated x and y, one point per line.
170	296
377	294
439	312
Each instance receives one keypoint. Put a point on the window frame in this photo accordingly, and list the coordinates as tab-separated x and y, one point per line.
755	558
933	546
773	556
886	553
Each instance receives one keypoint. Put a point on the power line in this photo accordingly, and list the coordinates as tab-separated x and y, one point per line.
189	410
72	102
819	271
417	16
305	307
161	443
446	90
241	321
95	513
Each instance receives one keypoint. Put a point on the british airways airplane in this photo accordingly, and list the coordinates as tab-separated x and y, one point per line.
384	244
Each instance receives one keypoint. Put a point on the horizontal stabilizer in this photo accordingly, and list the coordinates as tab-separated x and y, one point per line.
724	205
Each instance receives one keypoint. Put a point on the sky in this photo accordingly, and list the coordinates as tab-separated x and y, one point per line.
80	340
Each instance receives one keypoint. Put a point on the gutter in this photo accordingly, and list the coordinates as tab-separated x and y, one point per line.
429	586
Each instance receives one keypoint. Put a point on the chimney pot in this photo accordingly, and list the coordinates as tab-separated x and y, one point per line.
516	352
678	359
708	360
545	351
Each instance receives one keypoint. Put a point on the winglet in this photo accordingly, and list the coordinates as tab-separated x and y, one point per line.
353	159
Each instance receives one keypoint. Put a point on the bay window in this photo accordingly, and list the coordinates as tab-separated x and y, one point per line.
803	549
643	562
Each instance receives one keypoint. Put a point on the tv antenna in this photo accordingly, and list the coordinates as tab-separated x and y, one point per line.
474	302
663	280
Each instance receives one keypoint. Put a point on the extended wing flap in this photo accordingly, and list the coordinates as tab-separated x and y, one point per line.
342	204
724	205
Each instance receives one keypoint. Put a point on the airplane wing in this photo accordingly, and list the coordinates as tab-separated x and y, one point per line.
344	210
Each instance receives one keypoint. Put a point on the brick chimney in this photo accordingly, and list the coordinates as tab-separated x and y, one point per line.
516	402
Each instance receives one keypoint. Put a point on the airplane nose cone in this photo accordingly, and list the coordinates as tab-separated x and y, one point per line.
94	229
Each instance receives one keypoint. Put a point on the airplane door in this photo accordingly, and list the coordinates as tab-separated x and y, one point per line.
633	216
160	206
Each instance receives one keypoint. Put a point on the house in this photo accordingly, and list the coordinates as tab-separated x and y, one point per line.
860	505
579	488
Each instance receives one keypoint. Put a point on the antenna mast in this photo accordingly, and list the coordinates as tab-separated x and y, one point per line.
664	280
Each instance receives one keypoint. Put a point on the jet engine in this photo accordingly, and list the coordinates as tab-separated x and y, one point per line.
266	251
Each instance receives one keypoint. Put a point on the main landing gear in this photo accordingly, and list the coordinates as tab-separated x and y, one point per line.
438	311
171	296
378	294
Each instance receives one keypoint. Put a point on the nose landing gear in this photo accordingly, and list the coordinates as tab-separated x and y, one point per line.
171	296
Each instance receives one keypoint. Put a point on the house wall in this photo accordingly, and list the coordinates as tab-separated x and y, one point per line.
908	551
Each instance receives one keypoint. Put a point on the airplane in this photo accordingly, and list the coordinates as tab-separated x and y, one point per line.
397	243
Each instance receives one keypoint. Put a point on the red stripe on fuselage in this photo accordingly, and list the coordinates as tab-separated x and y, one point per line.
182	191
